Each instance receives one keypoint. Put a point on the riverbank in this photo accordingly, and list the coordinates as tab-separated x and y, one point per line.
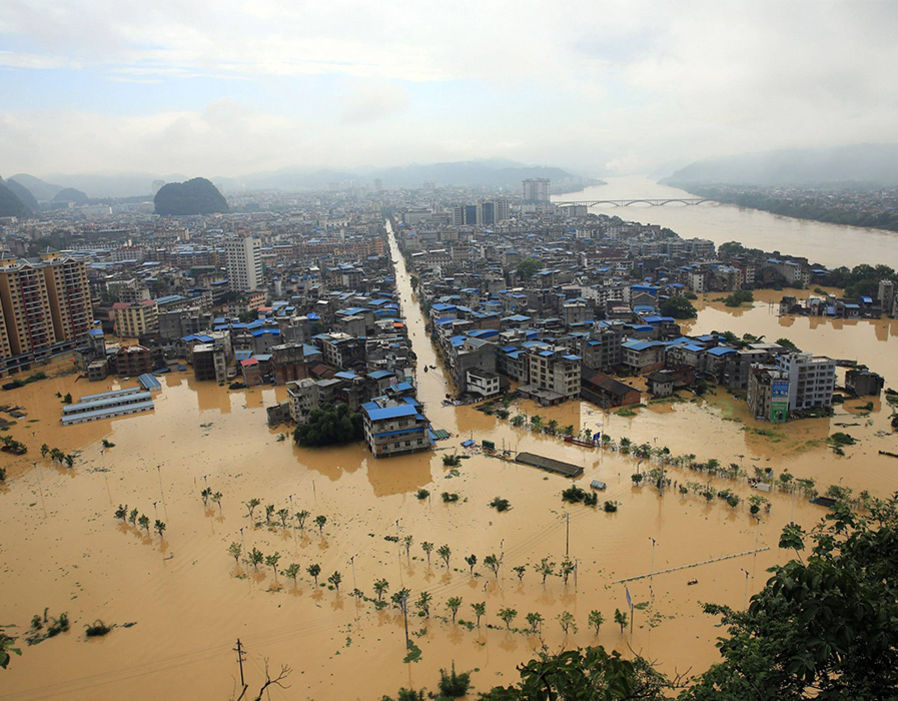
830	244
827	206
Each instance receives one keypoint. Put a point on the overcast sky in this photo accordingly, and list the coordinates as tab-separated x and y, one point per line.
231	87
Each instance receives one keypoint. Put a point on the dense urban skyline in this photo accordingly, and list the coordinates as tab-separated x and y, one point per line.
605	87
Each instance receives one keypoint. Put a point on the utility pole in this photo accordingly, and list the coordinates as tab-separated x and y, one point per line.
567	532
240	653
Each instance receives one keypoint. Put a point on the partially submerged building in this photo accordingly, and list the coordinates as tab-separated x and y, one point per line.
394	427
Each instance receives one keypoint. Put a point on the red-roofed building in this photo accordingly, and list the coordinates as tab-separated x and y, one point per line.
252	375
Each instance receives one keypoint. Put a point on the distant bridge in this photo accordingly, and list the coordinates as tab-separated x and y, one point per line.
653	202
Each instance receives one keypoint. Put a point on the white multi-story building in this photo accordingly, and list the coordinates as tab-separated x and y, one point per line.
812	380
244	262
535	190
556	370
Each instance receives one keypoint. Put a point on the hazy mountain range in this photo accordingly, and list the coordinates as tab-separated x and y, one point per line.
860	163
486	173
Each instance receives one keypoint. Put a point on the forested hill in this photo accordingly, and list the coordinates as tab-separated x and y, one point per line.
196	196
10	204
873	164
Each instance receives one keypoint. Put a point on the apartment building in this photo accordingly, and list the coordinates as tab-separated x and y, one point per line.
244	263
45	306
812	380
555	370
395	427
134	320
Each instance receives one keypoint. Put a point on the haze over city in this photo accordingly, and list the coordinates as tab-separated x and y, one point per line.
602	88
496	351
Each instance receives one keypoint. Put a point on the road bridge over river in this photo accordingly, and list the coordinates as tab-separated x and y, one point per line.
630	201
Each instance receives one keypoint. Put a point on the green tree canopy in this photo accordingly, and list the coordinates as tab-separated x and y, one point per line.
678	308
527	267
331	424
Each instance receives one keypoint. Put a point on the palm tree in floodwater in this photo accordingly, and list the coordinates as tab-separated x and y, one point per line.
144	522
471	560
427	548
235	549
479	610
453	605
159	527
320	521
566	621
251	506
507	615
291	572
256	557
596	619
272	562
380	588
314	570
282	515
545	567
621	619
335	580
301	517
534	620
423	603
269	510
445	552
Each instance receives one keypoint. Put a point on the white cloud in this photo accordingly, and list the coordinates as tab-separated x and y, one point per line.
583	83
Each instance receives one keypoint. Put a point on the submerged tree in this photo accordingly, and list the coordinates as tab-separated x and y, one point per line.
620	618
235	549
251	506
507	615
272	562
292	572
479	610
380	588
471	560
444	552
423	603
534	620
314	570
453	604
596	619
427	548
335	580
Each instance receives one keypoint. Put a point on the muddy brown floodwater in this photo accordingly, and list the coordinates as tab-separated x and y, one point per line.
61	547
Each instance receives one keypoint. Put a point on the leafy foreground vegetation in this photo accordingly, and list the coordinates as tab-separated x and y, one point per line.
823	627
330	425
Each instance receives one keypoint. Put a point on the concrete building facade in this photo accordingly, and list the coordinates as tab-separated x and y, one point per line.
244	263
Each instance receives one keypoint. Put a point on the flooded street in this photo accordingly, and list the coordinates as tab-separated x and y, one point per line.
62	548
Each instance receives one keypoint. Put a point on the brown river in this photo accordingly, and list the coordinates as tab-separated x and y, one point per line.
830	244
62	548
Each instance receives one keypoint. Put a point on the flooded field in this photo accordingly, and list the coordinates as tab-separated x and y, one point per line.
62	548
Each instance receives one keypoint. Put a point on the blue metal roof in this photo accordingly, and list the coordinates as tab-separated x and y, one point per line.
375	413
